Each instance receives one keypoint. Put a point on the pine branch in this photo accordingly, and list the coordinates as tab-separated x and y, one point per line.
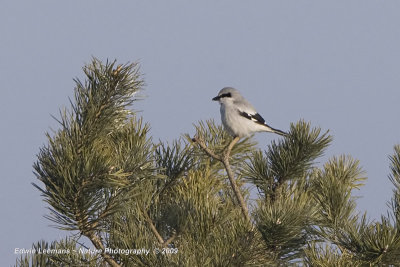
85	175
153	228
224	158
394	177
287	159
225	161
96	241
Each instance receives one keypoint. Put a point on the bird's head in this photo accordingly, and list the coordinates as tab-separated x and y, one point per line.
227	94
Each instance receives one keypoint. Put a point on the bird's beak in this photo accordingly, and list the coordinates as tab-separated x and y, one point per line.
216	98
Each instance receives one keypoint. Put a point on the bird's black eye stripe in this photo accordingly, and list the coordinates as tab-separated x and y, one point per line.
225	95
221	96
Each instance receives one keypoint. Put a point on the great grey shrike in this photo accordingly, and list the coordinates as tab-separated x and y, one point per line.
239	117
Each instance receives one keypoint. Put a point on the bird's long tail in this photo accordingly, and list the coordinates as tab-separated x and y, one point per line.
285	134
277	131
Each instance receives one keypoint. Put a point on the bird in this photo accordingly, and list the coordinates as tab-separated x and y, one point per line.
239	117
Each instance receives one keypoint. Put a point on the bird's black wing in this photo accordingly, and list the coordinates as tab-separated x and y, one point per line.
254	117
260	120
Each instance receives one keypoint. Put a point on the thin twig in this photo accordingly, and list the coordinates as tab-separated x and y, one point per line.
201	143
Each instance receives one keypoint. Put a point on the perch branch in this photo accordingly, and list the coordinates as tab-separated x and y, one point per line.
224	158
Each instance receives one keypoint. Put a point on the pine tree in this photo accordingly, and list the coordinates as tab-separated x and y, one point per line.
188	202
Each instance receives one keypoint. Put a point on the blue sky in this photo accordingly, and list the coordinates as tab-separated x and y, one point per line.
333	63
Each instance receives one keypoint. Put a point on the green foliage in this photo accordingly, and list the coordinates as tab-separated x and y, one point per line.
332	187
359	241
104	177
375	242
286	222
288	159
322	256
172	161
206	222
291	157
395	179
81	168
